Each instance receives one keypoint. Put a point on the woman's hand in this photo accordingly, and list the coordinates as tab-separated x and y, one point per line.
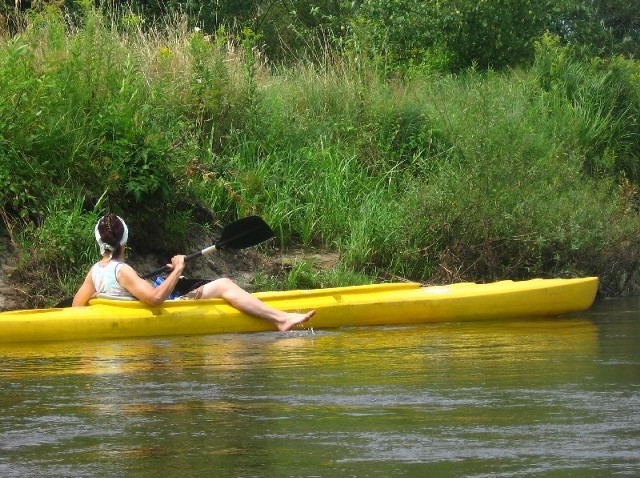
177	263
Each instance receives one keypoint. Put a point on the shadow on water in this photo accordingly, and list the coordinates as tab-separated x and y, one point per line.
542	397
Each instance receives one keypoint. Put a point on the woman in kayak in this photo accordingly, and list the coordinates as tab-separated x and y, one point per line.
112	277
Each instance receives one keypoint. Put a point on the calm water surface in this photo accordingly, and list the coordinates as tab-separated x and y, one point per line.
553	398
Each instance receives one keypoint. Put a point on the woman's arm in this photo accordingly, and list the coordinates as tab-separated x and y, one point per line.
143	290
85	292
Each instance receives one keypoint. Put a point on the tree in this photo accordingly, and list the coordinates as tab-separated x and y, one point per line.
486	33
621	21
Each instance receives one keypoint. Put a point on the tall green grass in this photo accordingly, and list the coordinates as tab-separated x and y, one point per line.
479	176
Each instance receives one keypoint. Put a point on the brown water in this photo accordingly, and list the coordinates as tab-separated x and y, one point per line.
553	398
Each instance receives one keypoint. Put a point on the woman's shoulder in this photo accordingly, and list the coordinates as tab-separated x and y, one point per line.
123	267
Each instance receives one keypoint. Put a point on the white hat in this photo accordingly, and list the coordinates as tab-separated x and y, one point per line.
107	247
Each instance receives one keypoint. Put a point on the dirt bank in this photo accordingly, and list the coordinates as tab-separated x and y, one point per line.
9	293
241	266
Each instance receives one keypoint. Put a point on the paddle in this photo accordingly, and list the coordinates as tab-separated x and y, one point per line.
246	232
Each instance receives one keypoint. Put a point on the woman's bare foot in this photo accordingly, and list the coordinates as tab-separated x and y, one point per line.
294	319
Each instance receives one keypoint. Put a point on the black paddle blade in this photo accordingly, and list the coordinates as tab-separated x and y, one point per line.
246	232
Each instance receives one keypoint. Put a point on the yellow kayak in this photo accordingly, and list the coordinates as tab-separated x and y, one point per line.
368	305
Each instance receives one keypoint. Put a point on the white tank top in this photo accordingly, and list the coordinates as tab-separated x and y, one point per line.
106	282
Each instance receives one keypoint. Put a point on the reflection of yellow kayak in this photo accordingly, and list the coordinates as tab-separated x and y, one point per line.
379	304
512	346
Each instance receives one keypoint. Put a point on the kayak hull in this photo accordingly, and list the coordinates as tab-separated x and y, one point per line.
369	305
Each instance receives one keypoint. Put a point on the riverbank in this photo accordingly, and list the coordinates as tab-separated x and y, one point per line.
480	176
9	293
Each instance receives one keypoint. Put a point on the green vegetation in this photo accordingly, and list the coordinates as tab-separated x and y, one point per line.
425	175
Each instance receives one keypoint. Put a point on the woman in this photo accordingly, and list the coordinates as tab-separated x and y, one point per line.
112	277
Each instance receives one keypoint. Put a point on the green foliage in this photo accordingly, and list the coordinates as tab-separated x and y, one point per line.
501	195
288	29
305	274
417	37
59	247
622	19
445	36
210	85
600	101
89	111
477	176
598	27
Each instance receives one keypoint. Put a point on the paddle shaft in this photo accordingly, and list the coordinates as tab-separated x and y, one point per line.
195	255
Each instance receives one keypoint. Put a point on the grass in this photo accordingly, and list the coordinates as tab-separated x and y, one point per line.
478	176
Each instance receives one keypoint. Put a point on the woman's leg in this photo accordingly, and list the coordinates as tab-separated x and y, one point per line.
247	303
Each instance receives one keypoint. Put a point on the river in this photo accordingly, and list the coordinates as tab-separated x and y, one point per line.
552	398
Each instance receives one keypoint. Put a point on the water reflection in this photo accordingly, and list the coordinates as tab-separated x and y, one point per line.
516	397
